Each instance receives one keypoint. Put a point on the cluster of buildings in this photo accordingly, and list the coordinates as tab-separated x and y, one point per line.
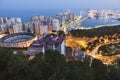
113	14
75	54
39	24
52	41
36	33
65	17
10	25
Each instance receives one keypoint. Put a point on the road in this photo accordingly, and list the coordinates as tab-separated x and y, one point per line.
105	59
94	52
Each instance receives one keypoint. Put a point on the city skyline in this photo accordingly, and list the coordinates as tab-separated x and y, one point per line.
58	4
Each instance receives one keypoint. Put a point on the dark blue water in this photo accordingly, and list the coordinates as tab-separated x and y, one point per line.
93	22
26	15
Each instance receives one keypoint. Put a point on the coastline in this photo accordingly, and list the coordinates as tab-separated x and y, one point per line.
107	25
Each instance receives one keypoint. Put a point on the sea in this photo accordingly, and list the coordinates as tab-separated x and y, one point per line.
99	22
89	22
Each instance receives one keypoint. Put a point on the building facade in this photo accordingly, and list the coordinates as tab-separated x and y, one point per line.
52	42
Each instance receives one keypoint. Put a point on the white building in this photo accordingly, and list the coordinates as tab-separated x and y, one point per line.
52	42
3	28
38	18
1	21
40	28
18	20
17	28
27	26
11	21
56	24
14	20
5	19
43	29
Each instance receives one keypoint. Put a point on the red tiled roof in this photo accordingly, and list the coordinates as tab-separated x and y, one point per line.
54	39
37	44
49	40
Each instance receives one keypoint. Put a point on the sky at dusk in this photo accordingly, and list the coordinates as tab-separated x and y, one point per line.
58	4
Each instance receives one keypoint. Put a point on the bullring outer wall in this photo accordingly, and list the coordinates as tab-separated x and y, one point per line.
22	44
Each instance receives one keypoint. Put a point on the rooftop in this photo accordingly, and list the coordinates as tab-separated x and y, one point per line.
49	40
39	44
54	39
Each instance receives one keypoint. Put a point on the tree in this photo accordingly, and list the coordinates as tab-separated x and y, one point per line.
114	70
37	65
49	66
61	33
5	56
99	70
79	70
17	67
55	66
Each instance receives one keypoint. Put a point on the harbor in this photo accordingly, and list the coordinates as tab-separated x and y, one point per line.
99	18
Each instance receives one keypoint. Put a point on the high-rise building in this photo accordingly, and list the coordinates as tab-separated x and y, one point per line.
56	24
18	20
49	21
11	30
38	18
28	26
17	28
43	29
36	28
1	21
69	15
11	21
59	16
14	20
40	28
5	20
3	28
